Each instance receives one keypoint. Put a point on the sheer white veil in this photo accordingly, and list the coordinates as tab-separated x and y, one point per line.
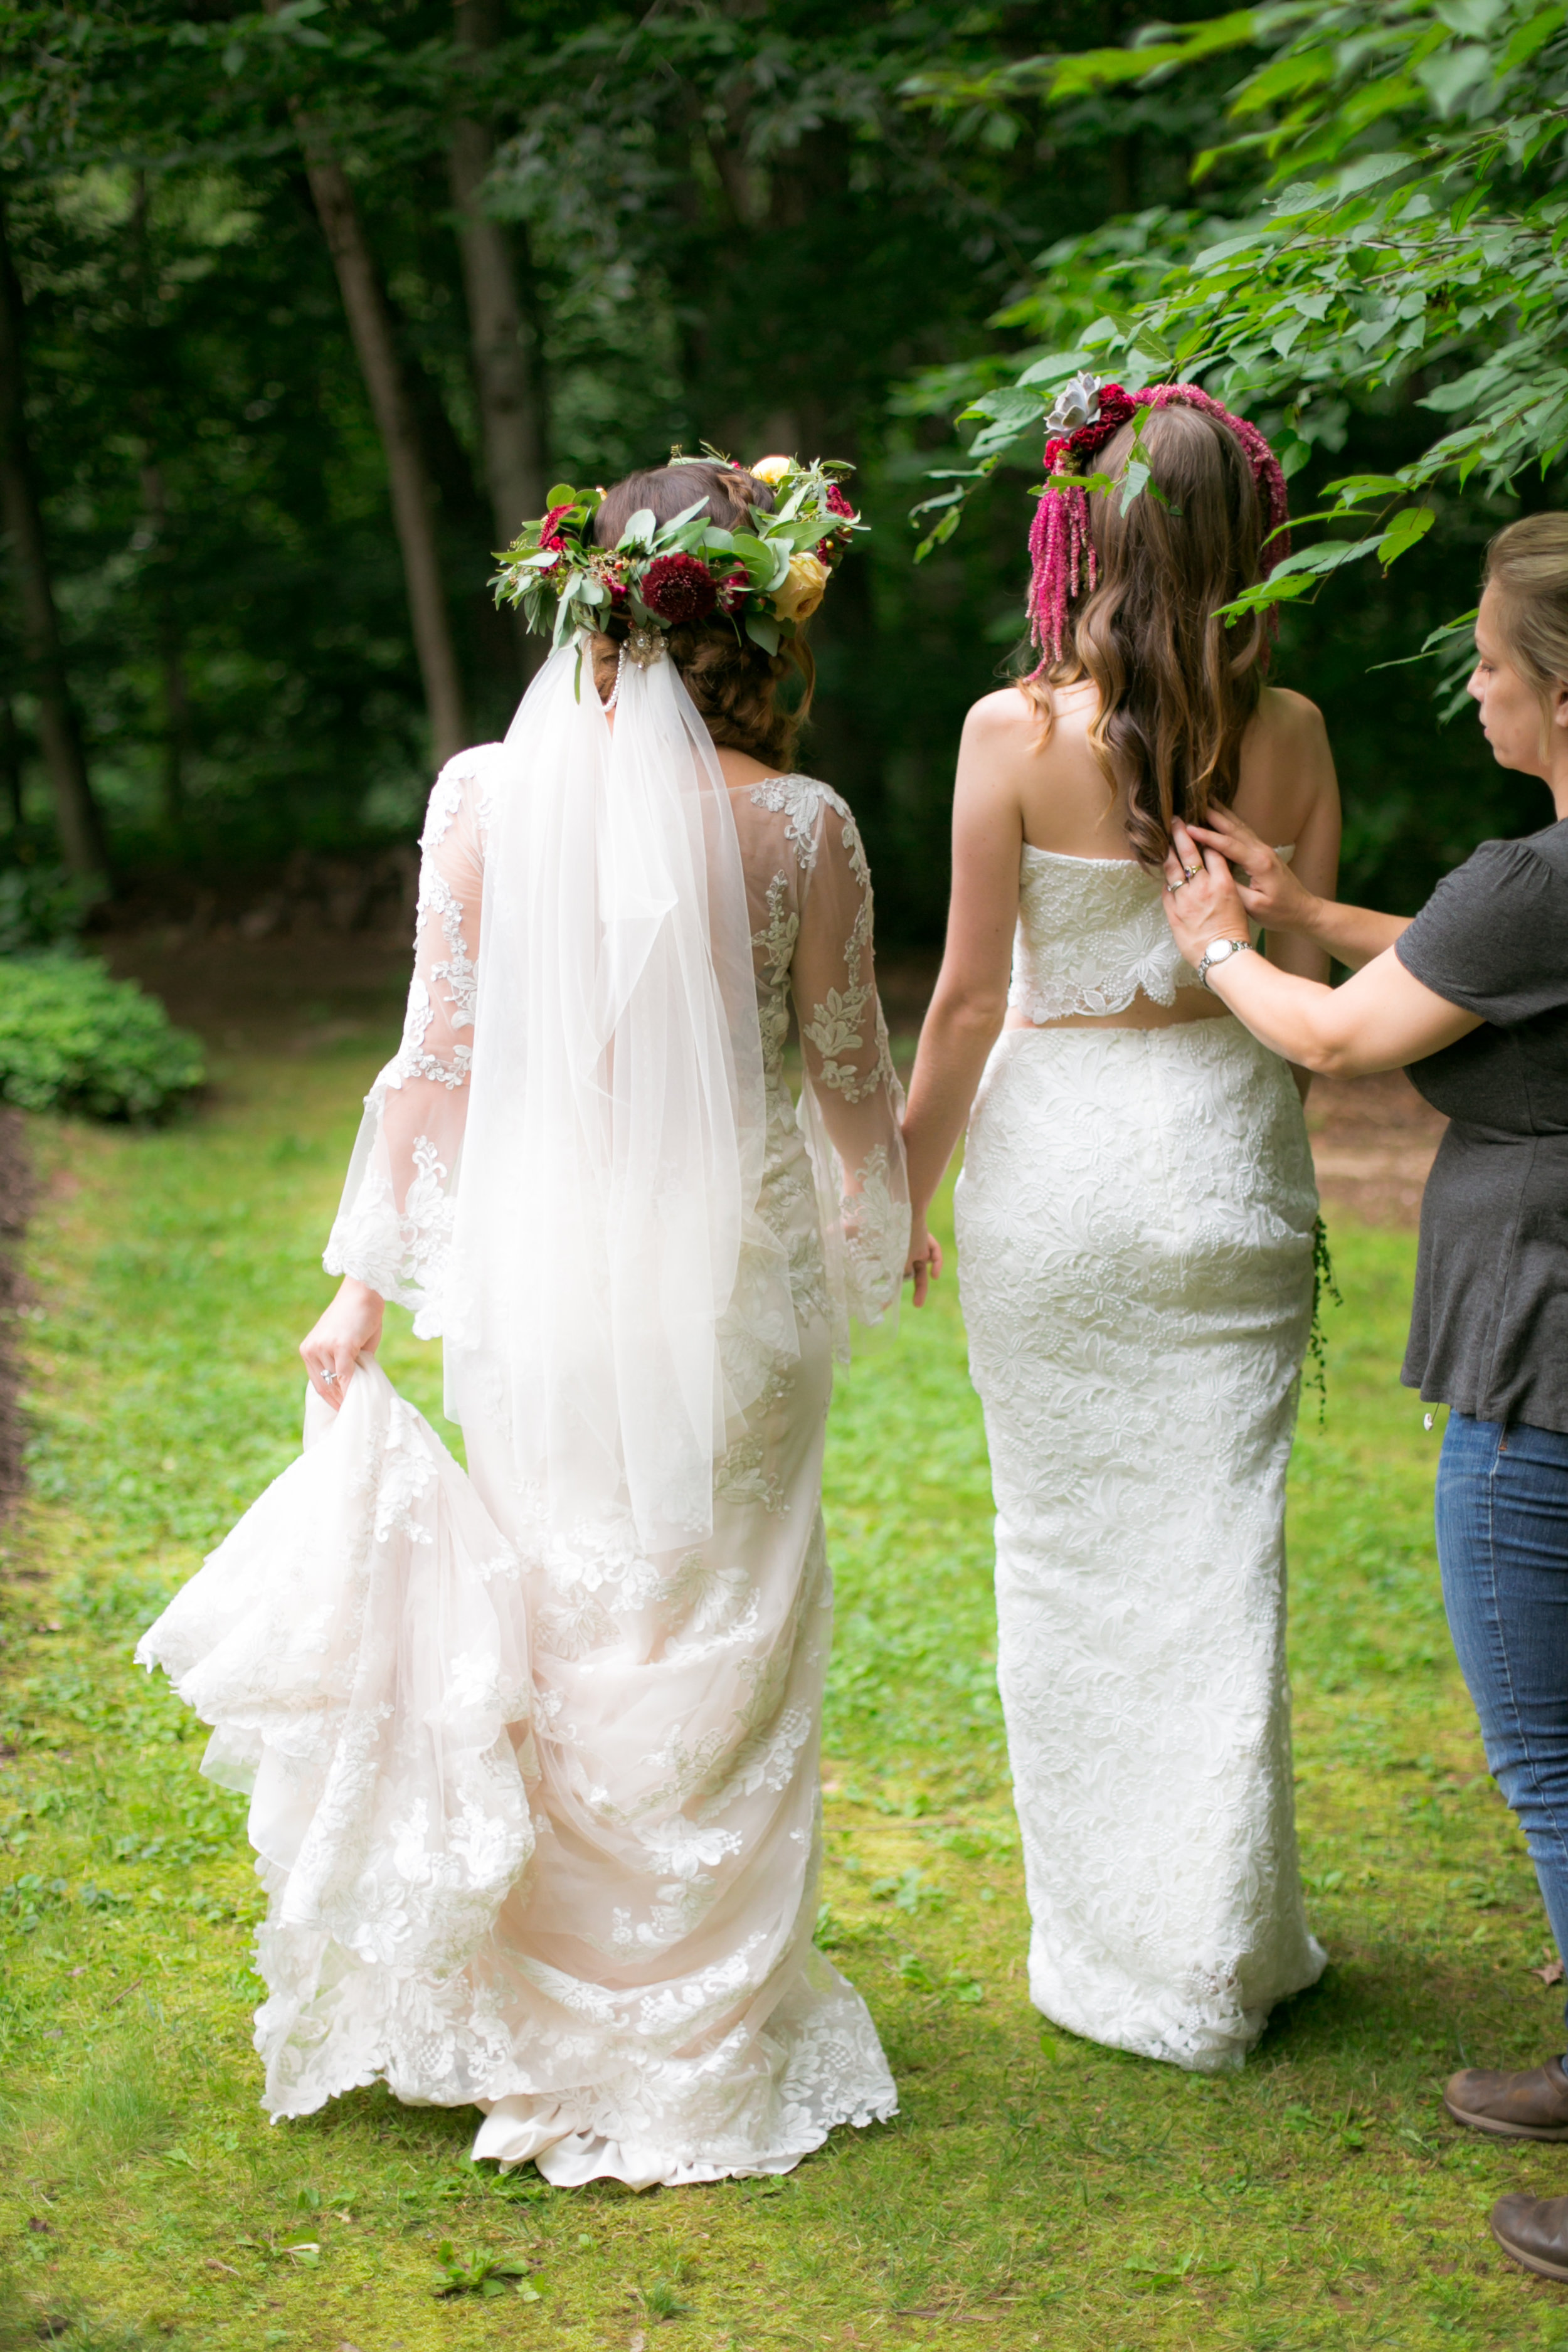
616	1301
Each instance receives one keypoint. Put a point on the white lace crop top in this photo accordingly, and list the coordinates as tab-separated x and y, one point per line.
1091	934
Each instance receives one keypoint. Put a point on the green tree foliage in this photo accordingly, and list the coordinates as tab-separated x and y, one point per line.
1409	221
1377	276
724	226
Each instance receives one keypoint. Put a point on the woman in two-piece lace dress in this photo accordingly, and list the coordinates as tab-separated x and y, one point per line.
576	1888
1135	1229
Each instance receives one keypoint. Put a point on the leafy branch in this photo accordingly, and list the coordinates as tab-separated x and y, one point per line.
1401	230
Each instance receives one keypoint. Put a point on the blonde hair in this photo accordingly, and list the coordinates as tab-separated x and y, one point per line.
1527	564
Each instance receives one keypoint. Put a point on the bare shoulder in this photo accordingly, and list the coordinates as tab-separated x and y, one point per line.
1290	720
1002	720
1287	767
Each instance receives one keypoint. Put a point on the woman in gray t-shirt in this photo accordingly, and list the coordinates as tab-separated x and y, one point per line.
1472	996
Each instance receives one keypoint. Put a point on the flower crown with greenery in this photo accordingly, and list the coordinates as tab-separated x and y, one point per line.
764	580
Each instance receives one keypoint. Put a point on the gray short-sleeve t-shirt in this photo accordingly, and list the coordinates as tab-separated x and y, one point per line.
1489	1333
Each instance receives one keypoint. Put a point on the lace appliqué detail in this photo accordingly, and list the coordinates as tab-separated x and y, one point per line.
848	1067
837	1028
876	1239
1092	936
468	775
402	1254
801	801
394	1227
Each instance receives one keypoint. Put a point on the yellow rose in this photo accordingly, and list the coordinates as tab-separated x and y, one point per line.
803	589
771	470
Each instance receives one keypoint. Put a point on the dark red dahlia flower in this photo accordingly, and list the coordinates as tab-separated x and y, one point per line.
678	588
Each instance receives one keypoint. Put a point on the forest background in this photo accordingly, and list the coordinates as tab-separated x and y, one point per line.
301	309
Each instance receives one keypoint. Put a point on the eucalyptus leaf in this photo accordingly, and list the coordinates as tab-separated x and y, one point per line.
763	631
759	561
678	522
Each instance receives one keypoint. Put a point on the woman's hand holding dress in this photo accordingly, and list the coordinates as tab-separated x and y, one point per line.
349	1329
1265	883
1382	1018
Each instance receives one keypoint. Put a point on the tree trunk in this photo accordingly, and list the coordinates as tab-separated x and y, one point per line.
413	500
505	374
144	404
176	698
11	764
76	812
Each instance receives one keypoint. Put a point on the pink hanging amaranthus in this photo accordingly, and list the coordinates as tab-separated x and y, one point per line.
1061	552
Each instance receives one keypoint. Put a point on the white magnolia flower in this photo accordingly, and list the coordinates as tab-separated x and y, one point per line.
1077	404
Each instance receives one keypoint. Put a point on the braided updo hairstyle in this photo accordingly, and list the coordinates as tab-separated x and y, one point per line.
734	684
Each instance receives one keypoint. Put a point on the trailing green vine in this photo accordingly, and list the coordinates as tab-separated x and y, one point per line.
1316	1375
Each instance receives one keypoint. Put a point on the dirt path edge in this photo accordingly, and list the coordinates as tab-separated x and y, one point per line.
16	1201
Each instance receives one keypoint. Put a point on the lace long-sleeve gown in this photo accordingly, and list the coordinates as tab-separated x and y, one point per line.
647	2003
1135	1224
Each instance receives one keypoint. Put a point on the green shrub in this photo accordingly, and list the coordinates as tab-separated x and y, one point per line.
40	906
72	1038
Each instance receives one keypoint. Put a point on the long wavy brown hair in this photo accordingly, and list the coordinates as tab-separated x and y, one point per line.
735	685
1177	689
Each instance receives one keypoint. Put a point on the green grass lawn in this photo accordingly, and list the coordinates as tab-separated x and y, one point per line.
1035	2189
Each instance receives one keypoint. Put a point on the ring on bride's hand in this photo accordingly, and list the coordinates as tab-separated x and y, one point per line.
1191	873
331	1376
1171	887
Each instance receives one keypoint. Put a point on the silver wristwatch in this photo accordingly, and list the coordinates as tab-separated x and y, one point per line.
1219	951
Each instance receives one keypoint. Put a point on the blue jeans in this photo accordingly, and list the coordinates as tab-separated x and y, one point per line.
1503	1541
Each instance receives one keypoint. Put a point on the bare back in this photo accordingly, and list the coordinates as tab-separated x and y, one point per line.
1014	790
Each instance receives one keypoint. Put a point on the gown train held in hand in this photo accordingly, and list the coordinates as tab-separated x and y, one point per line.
535	1750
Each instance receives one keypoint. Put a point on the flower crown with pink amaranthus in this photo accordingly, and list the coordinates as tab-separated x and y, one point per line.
1087	414
764	579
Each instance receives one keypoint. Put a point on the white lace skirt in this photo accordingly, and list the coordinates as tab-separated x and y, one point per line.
1135	1241
539	1835
666	2017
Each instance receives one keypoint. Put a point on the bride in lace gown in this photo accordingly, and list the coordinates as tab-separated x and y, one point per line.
1135	1226
535	1787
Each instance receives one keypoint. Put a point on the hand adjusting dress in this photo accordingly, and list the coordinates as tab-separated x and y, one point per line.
1135	1224
534	1756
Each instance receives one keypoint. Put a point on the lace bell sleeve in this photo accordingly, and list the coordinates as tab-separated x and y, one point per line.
392	1230
852	1103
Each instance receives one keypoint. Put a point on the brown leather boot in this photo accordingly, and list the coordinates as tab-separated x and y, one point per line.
1534	2231
1531	2106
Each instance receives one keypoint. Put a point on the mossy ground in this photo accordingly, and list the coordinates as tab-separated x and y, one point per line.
1035	2189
